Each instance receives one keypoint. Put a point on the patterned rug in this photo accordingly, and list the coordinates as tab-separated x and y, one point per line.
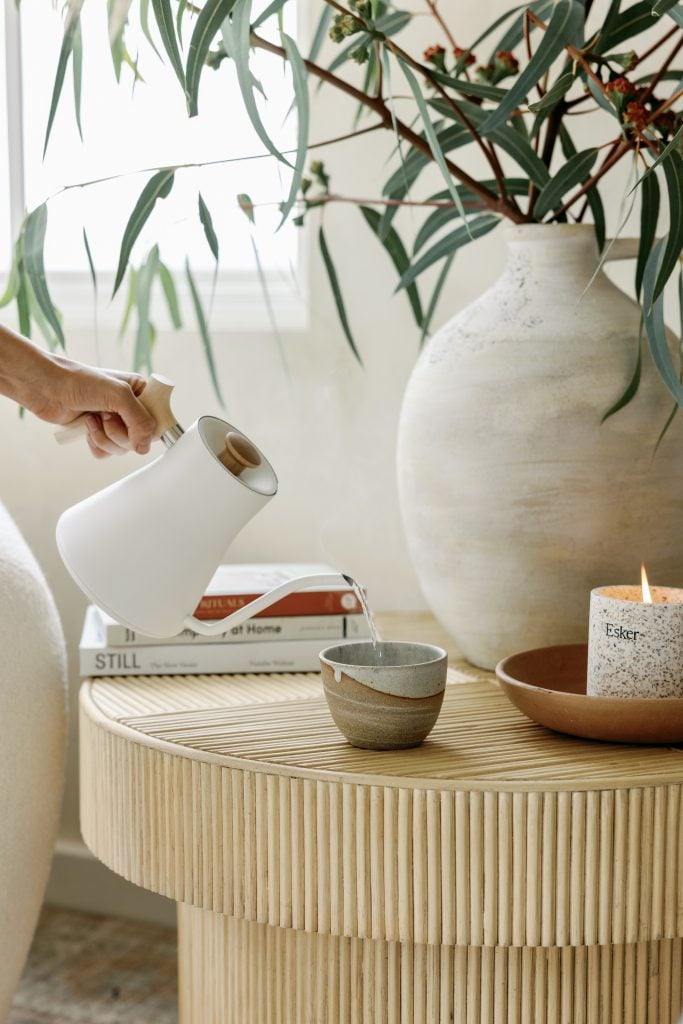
97	970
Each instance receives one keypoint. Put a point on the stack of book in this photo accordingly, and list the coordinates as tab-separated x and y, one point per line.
287	637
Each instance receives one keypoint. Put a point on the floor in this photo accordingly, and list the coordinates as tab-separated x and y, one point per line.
97	970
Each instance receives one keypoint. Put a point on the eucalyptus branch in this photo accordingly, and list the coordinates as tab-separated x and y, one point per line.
489	199
655	46
622	147
433	7
330	197
660	71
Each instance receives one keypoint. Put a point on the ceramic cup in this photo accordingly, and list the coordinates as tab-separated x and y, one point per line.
386	697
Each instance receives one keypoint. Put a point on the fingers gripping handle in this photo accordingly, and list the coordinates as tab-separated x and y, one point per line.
156	398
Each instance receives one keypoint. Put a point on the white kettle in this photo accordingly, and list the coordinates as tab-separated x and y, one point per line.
144	548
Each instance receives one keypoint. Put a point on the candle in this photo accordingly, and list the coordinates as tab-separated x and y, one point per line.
635	641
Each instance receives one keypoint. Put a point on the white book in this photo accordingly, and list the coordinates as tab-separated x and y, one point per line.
98	659
111	633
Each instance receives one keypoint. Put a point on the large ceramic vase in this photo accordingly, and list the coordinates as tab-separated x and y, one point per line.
516	499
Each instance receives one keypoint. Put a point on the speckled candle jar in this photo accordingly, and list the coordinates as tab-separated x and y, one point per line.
635	649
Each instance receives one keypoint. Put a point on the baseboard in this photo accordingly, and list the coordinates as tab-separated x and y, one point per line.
80	881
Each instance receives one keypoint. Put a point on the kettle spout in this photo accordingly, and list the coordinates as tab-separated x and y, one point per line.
215	627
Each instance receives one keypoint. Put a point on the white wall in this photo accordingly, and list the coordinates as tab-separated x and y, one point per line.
328	426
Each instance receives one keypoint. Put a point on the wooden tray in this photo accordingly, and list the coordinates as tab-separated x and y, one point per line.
548	685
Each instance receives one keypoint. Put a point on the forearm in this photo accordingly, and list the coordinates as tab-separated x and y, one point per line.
24	368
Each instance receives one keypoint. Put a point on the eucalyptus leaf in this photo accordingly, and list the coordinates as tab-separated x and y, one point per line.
479	90
570	174
433	302
627	24
273	8
631	388
300	82
207	224
431	135
170	294
158	187
673	145
144	25
33	243
565	27
207	27
476	227
398	255
442	216
649	215
12	285
592	195
77	68
164	19
654	323
321	31
336	292
142	356
71	26
236	33
673	172
130	301
203	331
555	93
515	33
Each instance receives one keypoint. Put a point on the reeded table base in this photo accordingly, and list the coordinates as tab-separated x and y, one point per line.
238	972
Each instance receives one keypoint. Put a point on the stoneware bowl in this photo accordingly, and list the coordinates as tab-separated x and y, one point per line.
548	685
385	697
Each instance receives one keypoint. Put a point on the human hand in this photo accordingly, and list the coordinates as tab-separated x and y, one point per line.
116	421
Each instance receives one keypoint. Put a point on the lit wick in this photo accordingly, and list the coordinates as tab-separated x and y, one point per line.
647	596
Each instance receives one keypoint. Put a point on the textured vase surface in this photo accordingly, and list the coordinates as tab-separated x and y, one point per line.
516	499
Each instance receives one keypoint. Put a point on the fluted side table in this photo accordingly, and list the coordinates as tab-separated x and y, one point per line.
499	874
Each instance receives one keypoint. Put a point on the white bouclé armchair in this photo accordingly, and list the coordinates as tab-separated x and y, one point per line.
32	747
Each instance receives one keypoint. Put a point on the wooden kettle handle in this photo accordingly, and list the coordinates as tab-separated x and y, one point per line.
156	399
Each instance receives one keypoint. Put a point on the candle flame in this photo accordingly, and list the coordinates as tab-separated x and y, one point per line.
647	596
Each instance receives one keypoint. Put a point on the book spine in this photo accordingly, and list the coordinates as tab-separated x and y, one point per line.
289	627
211	659
306	602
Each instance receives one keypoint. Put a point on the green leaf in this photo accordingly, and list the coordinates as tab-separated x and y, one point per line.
336	292
398	255
91	265
631	388
431	135
267	301
164	19
207	224
431	308
320	33
204	332
33	244
673	146
443	215
144	25
660	7
71	27
300	82
170	294
555	93
565	26
246	205
12	285
236	33
673	172
649	215
23	303
515	33
142	357
130	301
207	27
654	324
572	173
629	23
476	89
477	227
158	187
593	194
78	75
270	10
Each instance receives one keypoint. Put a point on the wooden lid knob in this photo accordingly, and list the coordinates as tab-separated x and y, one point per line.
239	453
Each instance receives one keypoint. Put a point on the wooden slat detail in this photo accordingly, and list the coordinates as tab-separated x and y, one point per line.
247	973
397	863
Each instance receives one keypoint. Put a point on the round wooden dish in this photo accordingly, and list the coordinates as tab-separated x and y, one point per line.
548	685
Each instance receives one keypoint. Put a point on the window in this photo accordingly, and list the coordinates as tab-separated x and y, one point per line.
138	126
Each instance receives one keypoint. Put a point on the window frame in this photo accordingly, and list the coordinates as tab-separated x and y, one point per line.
239	300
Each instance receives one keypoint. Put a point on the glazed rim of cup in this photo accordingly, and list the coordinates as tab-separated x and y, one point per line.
432	652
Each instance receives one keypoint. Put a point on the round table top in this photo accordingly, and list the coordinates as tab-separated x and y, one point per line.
281	725
237	794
